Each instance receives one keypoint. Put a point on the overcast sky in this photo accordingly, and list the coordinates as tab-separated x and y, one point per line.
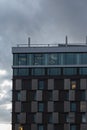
45	21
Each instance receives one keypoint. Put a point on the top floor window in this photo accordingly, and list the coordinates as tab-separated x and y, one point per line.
38	59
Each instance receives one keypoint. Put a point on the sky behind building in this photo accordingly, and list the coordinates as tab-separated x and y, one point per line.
45	21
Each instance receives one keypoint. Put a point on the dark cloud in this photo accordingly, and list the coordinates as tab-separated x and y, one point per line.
46	21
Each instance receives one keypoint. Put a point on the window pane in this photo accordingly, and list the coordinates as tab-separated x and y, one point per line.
41	84
49	117
72	106
52	59
83	71
83	58
72	127
15	72
40	107
82	95
83	117
54	71
15	59
73	84
38	59
38	71
69	71
40	127
69	58
23	72
22	59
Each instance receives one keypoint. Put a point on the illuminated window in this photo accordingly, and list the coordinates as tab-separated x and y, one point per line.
73	85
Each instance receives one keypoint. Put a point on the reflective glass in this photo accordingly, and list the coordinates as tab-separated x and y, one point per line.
83	58
69	71
41	84
22	59
72	127
15	59
40	127
23	72
53	71
69	58
15	72
72	106
38	59
38	71
52	59
40	107
83	117
83	71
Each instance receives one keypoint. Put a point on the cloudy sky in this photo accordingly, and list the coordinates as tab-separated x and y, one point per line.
45	21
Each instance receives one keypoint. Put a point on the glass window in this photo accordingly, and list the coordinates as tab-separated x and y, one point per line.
66	117
69	58
40	127
33	117
52	59
15	59
83	71
53	71
23	72
18	96
72	106
40	107
82	95
73	84
66	95
38	59
33	95
83	58
49	116
15	72
41	84
69	71
72	127
18	118
22	59
38	71
49	95
83	117
82	106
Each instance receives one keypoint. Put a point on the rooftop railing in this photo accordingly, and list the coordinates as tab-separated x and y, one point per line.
51	45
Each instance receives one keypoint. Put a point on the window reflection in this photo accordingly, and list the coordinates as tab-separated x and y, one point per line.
52	59
38	59
22	59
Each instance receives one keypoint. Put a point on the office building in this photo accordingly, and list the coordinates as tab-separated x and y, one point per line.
49	87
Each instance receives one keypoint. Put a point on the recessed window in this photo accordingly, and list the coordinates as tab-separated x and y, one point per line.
40	127
38	71
54	71
73	84
84	117
33	117
41	84
49	116
33	95
72	127
73	106
40	107
69	71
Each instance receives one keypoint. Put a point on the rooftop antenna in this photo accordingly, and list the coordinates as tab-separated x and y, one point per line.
29	41
66	41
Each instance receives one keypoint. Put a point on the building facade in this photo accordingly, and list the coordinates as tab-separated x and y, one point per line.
49	88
